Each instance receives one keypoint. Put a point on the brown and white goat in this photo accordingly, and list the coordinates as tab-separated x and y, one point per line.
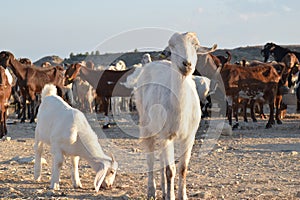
5	92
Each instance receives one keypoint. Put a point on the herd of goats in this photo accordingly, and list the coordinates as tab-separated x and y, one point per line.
170	94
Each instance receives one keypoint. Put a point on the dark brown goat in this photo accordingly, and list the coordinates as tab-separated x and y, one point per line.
260	82
16	93
5	92
278	54
107	83
31	79
284	70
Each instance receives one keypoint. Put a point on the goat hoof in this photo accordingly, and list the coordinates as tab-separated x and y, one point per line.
235	126
54	186
38	178
279	122
106	126
269	125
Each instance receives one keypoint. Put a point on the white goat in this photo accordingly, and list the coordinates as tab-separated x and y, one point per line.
205	87
68	132
169	111
120	65
84	94
146	59
131	81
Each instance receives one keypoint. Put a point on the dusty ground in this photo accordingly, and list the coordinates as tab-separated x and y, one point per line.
253	163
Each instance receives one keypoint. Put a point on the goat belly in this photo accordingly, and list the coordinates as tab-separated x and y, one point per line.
251	94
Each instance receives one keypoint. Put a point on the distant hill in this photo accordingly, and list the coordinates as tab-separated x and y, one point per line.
53	60
131	58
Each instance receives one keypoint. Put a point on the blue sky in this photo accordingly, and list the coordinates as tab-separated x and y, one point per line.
36	28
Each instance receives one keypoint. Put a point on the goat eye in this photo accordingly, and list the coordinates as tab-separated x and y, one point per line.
112	171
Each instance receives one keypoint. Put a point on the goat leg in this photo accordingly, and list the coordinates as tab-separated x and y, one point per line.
252	112
186	148
32	113
58	160
23	110
271	117
245	103
75	174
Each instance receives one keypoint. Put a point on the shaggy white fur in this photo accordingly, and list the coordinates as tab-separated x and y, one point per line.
169	110
68	132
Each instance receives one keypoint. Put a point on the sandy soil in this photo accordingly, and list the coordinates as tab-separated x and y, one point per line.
253	163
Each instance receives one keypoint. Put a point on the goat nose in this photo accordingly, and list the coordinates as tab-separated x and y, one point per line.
186	63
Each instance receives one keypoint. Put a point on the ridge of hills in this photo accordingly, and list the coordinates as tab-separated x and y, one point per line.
131	58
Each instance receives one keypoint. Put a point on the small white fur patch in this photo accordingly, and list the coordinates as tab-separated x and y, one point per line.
9	76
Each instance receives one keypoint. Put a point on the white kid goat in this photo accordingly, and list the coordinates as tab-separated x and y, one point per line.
68	132
205	87
169	111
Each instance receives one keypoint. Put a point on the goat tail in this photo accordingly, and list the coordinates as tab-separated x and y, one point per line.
49	90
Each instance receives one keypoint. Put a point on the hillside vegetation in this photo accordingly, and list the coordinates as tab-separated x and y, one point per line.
131	58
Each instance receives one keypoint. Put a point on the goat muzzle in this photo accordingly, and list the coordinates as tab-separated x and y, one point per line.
187	63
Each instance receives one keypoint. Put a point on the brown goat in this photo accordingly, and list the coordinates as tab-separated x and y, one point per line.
31	79
290	60
107	83
260	82
5	92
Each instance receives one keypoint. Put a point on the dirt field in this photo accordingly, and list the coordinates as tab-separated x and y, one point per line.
253	163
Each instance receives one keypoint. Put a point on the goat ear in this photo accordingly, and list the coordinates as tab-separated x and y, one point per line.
214	47
100	177
78	66
194	39
203	51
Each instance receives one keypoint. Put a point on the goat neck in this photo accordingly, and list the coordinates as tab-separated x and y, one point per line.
89	75
8	60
